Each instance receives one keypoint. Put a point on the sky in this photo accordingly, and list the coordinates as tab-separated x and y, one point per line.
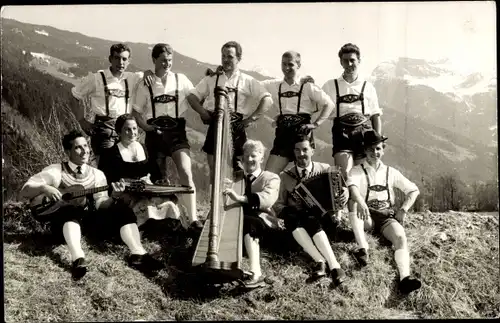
464	32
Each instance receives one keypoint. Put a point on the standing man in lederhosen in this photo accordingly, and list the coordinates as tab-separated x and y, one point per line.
110	92
296	101
166	98
243	90
356	111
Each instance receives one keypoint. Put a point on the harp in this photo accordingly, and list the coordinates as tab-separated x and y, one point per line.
218	254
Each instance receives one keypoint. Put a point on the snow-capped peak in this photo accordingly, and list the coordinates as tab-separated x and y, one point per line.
42	32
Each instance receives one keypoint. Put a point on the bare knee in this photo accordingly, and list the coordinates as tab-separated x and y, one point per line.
400	241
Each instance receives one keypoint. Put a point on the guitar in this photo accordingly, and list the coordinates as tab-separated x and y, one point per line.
42	207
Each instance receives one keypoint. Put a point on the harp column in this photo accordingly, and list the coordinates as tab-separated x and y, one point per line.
212	261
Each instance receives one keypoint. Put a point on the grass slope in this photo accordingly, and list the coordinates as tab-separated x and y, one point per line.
454	254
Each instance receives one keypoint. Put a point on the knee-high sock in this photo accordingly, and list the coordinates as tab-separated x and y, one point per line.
304	240
323	244
358	228
402	258
189	201
253	250
73	236
131	237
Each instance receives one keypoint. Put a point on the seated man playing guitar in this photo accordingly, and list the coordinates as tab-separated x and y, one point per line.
60	183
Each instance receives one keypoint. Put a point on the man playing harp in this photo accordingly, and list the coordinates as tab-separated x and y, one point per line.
307	227
261	192
371	186
243	90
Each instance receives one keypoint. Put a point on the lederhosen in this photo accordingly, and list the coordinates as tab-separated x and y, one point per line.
237	129
173	138
348	130
288	125
379	222
104	134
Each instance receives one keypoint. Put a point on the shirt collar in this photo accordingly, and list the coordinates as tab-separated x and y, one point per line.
256	173
308	168
73	166
359	79
166	75
381	166
236	73
296	81
108	74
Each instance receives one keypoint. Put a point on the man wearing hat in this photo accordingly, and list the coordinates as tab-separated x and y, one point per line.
371	206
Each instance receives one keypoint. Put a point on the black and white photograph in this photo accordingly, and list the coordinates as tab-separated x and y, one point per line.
250	161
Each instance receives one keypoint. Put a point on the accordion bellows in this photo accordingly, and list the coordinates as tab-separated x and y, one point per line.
321	191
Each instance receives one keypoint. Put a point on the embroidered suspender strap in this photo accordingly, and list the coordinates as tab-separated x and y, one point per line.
126	95
176	95
153	108
367	182
337	102
106	97
300	95
362	98
236	95
279	98
387	186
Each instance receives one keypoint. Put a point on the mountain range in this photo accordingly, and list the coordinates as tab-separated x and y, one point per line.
437	119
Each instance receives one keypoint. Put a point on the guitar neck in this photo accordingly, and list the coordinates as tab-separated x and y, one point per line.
89	191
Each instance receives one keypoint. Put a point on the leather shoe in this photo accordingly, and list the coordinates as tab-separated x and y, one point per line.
254	282
338	276
319	270
144	262
362	257
408	285
79	268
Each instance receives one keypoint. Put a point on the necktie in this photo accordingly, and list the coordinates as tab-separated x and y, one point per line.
304	173
79	173
248	184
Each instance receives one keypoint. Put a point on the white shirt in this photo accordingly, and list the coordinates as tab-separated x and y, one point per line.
370	97
51	175
142	100
92	87
308	169
250	91
256	173
357	178
133	153
312	99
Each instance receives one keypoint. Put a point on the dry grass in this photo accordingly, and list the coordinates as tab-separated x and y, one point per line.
460	278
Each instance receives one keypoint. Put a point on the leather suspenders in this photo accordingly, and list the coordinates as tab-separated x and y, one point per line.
230	89
107	93
151	95
377	188
339	100
299	94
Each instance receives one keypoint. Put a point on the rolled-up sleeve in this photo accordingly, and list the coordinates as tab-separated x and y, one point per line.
258	90
140	98
402	183
372	100
86	87
201	90
50	175
319	96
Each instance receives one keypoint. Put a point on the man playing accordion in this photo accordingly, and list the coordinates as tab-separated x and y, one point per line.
371	185
296	100
306	225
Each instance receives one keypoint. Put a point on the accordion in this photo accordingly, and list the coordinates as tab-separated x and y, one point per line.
321	191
